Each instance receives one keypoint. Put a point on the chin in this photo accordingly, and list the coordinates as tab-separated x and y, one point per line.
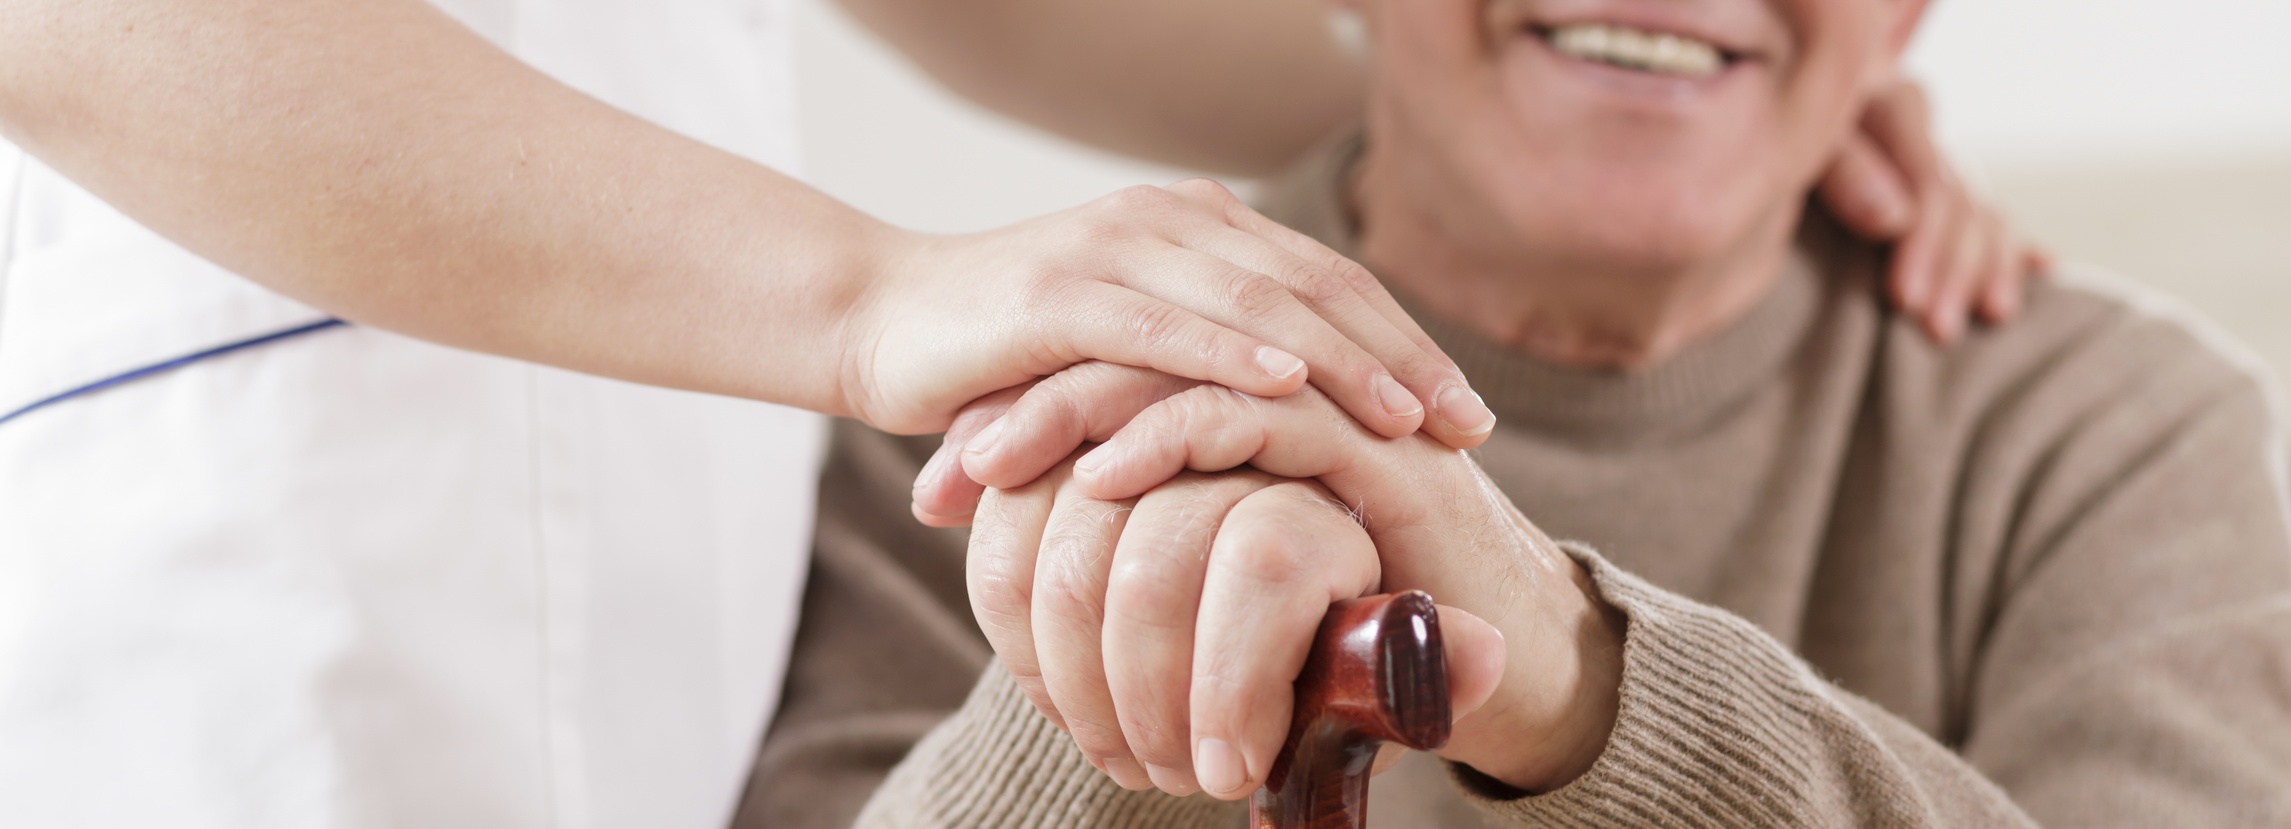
1634	223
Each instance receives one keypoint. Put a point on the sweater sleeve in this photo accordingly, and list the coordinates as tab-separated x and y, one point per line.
1721	725
999	764
2135	668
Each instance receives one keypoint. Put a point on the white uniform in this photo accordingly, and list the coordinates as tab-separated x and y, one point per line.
351	579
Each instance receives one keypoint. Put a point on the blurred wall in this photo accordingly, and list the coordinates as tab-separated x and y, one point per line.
879	135
2150	138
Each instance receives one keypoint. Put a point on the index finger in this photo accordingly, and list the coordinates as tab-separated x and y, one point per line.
1280	558
999	577
1088	402
945	494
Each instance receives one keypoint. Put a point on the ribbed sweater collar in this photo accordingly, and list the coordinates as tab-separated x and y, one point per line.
1705	377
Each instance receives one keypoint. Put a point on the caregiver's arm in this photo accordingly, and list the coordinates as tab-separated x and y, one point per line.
378	160
1235	87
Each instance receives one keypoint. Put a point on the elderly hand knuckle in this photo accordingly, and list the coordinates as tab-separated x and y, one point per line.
1152	596
1065	603
1267	554
993	592
1067	593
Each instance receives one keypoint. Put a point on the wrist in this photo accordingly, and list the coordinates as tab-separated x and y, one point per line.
1556	707
859	306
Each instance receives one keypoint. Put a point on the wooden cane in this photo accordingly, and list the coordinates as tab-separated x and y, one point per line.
1376	674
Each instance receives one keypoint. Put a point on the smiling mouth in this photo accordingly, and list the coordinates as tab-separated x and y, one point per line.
1637	49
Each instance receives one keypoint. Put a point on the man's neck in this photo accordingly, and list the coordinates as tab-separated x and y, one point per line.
1571	312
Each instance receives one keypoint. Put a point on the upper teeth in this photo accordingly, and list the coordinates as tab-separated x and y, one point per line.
1637	49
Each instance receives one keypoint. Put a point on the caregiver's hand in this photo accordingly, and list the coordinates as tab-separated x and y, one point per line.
380	161
1438	525
1954	255
1184	279
1170	627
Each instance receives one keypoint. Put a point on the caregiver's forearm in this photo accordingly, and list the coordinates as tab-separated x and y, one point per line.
1232	86
380	161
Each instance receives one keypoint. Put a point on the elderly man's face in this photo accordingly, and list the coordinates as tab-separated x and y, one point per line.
1663	132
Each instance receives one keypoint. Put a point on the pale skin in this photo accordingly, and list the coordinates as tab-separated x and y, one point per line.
507	213
378	160
1160	623
1574	253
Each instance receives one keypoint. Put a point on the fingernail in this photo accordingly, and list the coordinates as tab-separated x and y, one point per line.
1171	780
1091	462
984	441
1128	773
933	469
1280	364
1220	766
1464	411
1395	398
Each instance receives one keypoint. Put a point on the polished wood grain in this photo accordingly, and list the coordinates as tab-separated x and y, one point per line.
1376	674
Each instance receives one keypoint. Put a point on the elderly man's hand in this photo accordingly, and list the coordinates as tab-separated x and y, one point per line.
1163	631
1137	629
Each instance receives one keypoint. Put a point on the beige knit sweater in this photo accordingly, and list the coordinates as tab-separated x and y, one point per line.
2043	577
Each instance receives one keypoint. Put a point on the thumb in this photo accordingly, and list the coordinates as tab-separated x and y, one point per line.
1475	655
945	495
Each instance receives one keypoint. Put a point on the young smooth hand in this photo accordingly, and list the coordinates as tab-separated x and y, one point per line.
1185	279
